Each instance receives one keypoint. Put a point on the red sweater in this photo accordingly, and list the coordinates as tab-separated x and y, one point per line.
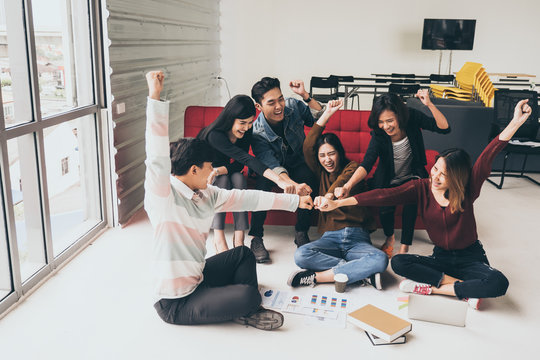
446	230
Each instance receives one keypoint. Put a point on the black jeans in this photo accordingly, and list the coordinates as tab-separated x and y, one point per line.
300	174
408	220
229	290
479	280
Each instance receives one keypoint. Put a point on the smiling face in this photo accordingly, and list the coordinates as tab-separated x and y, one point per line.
328	157
272	105
201	176
438	175
388	122
240	127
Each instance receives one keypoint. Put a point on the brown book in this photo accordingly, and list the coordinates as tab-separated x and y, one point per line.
379	322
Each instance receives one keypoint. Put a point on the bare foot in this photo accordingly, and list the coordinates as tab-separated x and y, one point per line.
388	246
403	249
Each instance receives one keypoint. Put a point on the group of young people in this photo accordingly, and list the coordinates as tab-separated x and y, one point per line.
191	183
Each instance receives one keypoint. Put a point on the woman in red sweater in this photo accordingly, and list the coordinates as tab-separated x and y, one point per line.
458	266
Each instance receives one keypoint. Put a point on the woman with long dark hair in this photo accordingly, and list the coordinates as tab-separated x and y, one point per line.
345	246
458	266
396	140
230	136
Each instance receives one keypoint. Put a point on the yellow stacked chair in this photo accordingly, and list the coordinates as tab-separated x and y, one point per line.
472	83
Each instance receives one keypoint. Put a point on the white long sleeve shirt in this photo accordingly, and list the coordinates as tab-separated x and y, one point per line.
181	218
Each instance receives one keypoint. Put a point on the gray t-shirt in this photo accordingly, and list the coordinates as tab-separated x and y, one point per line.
402	161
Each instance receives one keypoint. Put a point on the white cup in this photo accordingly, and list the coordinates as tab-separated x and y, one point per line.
340	281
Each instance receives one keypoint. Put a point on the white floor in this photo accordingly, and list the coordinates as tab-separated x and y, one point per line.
100	307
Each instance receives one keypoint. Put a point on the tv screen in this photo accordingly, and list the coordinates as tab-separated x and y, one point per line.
448	34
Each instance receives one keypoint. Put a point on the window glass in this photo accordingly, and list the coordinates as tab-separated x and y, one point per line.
63	54
72	180
13	72
6	285
26	204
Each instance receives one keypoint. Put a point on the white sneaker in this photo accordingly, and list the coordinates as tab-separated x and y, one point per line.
474	303
415	287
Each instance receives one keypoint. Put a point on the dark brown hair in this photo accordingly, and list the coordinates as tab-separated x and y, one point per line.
391	102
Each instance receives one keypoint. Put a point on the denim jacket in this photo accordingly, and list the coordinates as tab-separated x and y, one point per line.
268	147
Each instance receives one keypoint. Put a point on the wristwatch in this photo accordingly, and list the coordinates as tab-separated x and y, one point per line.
308	99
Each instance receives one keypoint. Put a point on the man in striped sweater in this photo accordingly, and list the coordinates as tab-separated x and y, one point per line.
180	205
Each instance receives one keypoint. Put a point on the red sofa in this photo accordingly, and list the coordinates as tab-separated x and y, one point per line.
349	125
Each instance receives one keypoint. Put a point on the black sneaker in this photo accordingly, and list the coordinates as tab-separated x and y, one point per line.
301	238
302	278
374	280
260	252
263	319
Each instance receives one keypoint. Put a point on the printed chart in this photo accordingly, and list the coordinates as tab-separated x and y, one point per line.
325	307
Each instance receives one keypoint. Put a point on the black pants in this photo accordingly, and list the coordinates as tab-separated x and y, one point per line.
300	174
408	220
229	290
479	280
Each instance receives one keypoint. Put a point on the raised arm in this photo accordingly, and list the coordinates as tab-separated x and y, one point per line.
310	154
440	119
482	166
297	86
522	111
158	163
331	108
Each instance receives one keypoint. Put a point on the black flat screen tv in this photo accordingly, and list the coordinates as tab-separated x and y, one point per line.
448	34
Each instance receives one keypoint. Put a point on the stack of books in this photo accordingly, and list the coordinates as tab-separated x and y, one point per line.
381	327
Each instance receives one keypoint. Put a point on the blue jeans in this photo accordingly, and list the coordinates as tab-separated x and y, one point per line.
347	251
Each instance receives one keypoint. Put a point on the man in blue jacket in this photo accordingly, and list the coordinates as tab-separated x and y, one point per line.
278	136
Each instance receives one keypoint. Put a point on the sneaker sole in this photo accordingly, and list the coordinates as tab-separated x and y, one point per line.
378	284
265	321
291	277
262	261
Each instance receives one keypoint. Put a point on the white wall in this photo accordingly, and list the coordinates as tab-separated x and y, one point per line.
292	39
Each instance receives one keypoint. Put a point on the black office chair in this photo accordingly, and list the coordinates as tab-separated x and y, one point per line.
436	78
505	102
403	90
341	94
404	76
330	86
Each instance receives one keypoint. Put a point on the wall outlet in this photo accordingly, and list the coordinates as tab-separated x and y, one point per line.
120	108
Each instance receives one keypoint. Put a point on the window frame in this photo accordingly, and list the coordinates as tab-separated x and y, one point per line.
37	127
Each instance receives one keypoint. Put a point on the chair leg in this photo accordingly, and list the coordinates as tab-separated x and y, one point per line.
500	185
523	171
523	165
521	174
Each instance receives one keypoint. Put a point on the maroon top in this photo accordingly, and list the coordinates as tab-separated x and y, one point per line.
446	230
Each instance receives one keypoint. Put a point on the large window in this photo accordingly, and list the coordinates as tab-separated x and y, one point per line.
50	144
